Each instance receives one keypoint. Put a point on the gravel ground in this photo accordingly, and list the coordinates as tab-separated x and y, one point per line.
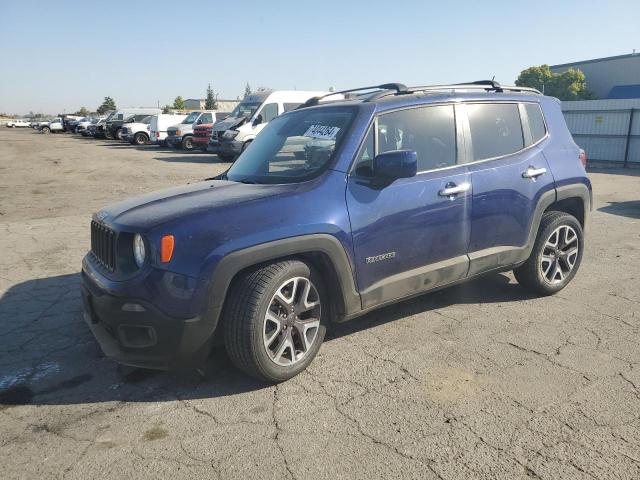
478	381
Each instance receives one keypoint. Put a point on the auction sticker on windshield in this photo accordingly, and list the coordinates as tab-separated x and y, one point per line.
322	131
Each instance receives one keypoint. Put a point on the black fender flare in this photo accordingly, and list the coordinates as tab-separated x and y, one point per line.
327	245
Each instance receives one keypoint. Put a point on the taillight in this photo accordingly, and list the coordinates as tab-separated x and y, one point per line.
583	158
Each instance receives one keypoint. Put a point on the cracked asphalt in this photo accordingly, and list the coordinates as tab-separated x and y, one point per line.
479	381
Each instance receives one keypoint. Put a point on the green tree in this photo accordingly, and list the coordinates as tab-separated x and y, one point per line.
108	104
247	89
568	85
178	103
210	102
83	111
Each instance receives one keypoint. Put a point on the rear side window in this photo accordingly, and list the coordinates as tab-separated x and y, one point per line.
536	122
269	112
429	131
495	129
290	106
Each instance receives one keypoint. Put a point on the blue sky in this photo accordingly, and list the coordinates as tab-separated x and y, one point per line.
66	54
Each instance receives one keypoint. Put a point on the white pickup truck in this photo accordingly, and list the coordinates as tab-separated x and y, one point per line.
53	126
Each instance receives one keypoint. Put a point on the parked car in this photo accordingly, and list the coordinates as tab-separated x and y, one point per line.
402	191
83	126
202	132
159	125
234	134
54	126
181	135
19	123
113	124
136	133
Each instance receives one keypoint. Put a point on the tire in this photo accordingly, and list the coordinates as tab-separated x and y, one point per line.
46	130
225	157
540	272
187	143
140	139
247	328
118	134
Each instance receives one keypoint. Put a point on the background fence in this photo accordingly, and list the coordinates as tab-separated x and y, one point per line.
608	130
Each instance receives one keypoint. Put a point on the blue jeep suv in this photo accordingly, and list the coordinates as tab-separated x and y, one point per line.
337	208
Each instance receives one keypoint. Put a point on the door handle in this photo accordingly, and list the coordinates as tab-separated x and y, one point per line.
533	172
453	189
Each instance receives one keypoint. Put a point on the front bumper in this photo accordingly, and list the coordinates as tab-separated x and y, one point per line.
174	140
224	147
136	332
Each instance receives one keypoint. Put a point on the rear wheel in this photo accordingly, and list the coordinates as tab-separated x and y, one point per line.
140	138
556	254
275	320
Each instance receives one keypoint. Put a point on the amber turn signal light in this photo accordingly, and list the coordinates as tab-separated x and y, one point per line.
166	248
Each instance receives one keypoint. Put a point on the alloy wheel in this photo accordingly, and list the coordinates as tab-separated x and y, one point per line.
559	254
292	321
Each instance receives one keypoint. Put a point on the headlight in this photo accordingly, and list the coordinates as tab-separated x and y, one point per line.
178	133
138	250
230	134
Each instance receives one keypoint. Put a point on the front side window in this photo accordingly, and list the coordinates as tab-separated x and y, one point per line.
206	118
429	131
536	122
269	112
495	129
294	147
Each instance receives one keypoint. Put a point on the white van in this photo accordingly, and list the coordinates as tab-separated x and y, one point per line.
233	134
160	123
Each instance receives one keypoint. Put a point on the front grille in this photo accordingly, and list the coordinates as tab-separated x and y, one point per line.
103	245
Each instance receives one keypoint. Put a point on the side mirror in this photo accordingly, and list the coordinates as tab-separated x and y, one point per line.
199	122
257	120
395	164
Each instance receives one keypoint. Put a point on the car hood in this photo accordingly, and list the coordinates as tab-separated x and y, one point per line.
180	126
229	122
157	208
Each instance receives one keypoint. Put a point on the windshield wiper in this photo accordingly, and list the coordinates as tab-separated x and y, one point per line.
247	181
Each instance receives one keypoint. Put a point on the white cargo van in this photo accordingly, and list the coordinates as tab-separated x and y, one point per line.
160	123
233	134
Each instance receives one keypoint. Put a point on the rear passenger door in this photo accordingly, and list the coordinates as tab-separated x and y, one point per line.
411	235
510	175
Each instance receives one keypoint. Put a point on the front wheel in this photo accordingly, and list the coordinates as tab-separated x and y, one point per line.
556	254
275	320
187	143
46	130
140	139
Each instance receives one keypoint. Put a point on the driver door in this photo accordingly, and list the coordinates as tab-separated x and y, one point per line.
412	235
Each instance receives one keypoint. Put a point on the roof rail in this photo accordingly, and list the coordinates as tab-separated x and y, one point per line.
385	87
486	85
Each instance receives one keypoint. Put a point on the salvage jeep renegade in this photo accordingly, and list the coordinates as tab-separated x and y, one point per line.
337	208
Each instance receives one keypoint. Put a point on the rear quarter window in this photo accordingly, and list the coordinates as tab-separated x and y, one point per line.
536	121
495	128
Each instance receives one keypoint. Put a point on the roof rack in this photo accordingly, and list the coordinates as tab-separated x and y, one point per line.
384	88
486	85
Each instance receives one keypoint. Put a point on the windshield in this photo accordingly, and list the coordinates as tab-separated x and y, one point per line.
294	147
109	116
245	109
193	116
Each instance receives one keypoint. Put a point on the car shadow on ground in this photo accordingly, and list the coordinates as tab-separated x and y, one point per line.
629	209
49	357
